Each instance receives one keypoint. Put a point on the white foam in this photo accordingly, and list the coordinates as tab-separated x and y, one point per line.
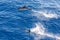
50	15
45	14
39	30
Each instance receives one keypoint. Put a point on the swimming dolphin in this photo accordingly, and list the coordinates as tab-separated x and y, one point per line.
24	8
28	31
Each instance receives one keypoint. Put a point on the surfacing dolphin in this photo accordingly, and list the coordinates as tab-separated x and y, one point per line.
24	8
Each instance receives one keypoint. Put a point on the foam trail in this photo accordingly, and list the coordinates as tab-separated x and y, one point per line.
50	15
45	14
52	36
40	30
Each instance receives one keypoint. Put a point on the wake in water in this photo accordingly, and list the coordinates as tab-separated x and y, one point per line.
14	22
45	14
39	31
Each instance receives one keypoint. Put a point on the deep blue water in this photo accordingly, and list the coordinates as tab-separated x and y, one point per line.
13	21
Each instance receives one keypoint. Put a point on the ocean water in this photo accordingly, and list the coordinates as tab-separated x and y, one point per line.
43	20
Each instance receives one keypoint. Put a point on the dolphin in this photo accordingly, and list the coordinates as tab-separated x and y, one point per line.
24	8
28	31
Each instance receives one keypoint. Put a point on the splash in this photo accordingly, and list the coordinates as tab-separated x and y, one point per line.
39	30
50	15
45	14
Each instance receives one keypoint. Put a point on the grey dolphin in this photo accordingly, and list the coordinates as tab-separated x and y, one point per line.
24	8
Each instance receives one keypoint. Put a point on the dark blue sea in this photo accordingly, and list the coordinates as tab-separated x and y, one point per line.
42	22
